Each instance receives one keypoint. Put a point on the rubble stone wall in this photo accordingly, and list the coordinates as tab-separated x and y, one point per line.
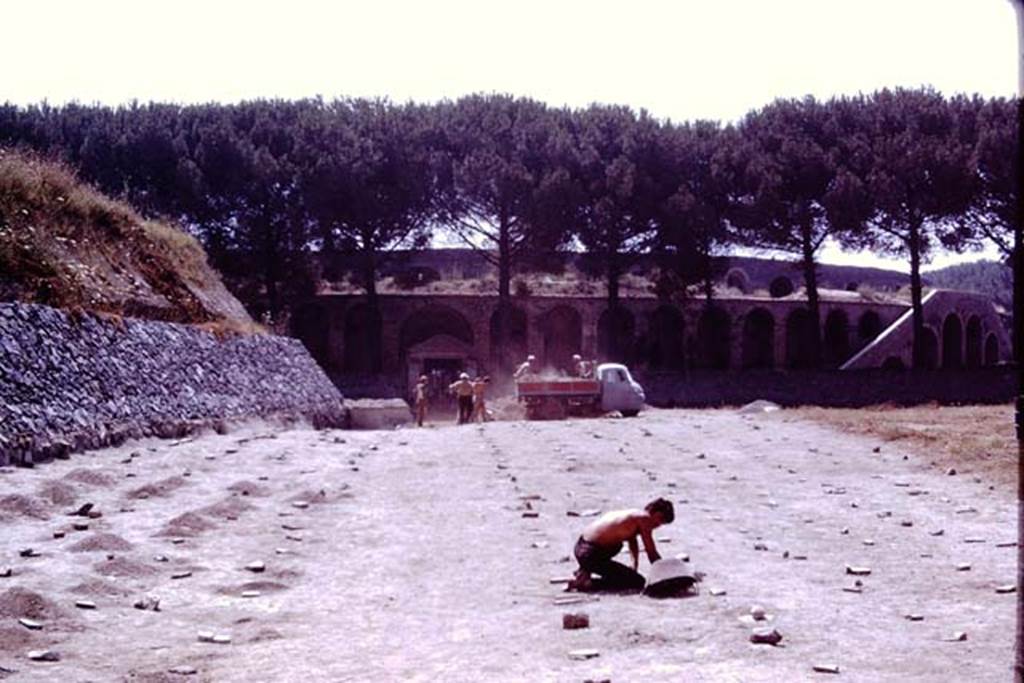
71	382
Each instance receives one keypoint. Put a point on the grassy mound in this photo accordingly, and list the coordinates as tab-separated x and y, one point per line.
64	244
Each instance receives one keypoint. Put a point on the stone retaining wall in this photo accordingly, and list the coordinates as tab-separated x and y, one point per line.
74	382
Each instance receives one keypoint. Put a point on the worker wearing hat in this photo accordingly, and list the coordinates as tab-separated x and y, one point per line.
526	368
463	390
420	400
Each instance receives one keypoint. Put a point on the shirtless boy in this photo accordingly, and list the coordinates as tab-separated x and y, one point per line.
603	538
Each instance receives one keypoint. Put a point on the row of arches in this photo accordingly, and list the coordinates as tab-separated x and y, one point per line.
961	347
665	345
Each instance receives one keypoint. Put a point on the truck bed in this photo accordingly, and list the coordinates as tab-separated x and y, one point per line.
569	386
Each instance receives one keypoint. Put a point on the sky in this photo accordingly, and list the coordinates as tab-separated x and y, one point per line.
680	60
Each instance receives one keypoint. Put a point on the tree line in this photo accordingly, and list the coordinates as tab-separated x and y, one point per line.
902	172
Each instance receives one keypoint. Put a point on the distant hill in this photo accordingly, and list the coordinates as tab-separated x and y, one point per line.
66	245
991	278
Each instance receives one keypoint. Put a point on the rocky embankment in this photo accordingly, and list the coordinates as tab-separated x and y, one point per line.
71	382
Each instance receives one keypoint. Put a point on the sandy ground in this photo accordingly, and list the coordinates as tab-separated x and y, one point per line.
413	559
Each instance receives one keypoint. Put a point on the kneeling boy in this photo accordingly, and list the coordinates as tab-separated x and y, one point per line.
603	538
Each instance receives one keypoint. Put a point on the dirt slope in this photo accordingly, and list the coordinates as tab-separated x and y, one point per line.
64	244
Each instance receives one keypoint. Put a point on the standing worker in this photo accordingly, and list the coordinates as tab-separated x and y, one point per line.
463	390
526	368
420	399
479	399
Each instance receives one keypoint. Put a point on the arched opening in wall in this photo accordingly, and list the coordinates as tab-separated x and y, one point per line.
780	287
665	339
929	349
615	330
837	338
869	326
758	339
800	334
737	279
713	339
515	338
972	355
362	339
309	324
991	349
562	328
952	342
436	341
433	321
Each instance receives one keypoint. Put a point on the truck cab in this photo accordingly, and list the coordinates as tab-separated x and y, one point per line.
619	391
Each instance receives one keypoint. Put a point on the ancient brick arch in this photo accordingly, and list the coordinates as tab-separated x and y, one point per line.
562	331
666	331
972	355
952	342
362	339
991	349
837	338
800	335
311	324
780	287
616	333
713	338
432	321
758	339
738	279
869	326
515	338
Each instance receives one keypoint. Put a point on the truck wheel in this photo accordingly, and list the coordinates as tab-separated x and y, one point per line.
629	413
552	409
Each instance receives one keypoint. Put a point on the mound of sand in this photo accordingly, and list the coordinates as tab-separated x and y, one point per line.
261	586
20	602
107	542
16	638
155	489
16	505
266	634
187	524
57	492
315	496
153	677
94	587
227	508
286	574
90	477
249	488
123	567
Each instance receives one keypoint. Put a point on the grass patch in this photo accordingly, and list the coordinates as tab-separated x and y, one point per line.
976	440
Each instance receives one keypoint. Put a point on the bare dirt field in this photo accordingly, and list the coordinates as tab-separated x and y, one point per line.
415	555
